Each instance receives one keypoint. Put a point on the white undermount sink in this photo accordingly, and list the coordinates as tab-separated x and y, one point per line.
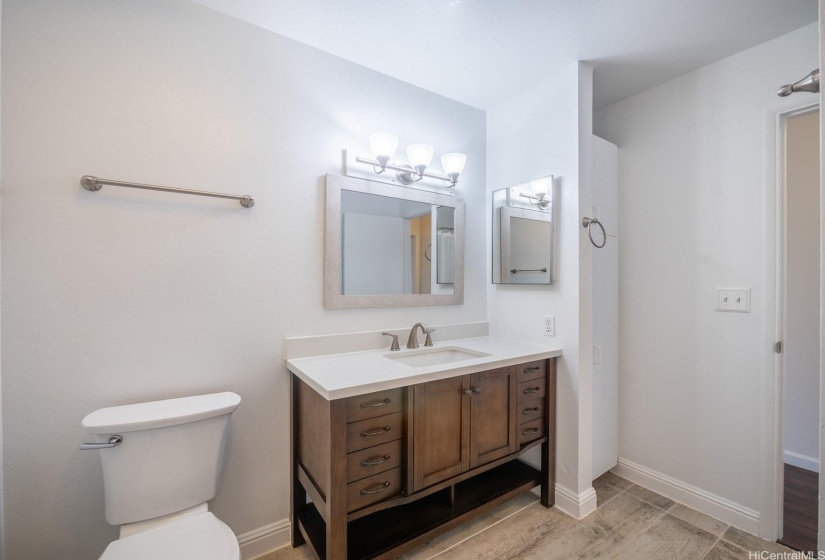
436	356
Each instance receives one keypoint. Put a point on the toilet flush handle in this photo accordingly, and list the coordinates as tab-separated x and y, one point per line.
114	441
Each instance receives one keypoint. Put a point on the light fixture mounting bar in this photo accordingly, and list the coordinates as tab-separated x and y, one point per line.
402	169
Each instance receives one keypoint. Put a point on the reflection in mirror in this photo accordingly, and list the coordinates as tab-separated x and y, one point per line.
445	245
522	237
394	246
391	246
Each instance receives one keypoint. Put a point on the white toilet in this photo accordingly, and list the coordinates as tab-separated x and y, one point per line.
161	464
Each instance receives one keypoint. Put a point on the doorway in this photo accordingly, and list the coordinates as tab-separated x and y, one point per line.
799	324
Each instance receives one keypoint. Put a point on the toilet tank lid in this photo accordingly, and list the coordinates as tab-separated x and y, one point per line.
159	414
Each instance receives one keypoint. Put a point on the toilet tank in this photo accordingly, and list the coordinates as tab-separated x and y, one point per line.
170	456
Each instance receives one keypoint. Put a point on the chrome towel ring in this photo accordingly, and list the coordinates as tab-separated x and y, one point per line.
588	223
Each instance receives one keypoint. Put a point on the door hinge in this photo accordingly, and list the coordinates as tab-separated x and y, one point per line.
778	347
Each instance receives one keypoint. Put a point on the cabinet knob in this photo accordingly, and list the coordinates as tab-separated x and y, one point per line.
476	390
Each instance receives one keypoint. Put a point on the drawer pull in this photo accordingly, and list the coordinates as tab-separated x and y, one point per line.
375	489
534	410
530	390
378	432
375	461
532	369
376	404
529	432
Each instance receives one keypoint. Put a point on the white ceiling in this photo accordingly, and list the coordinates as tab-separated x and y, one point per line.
482	51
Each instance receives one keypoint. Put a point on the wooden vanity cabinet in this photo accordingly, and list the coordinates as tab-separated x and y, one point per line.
387	470
441	429
493	424
461	423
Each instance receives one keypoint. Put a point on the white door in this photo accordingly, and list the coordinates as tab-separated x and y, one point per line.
605	309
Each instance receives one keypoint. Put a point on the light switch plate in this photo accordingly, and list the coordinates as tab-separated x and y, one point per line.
737	300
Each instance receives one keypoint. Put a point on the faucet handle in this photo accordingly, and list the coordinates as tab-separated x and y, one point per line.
429	340
395	345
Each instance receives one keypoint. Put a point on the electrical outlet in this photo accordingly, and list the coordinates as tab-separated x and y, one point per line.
734	299
549	325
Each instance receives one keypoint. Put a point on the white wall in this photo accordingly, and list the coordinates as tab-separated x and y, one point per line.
801	343
692	218
121	296
605	307
535	134
2	505
821	524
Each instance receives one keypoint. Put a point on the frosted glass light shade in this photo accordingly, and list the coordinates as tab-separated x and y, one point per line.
541	187
453	163
420	155
383	144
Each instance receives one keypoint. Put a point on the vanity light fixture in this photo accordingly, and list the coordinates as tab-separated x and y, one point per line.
541	188
383	146
453	164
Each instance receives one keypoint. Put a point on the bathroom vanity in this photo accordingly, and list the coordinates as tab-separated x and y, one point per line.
394	447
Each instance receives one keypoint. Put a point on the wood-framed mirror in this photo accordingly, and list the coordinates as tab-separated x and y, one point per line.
391	246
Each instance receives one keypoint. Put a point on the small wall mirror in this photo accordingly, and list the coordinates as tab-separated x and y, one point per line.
391	246
523	240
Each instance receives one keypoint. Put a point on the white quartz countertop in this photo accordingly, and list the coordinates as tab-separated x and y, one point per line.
338	376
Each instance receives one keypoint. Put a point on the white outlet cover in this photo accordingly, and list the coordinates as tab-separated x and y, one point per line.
736	300
549	325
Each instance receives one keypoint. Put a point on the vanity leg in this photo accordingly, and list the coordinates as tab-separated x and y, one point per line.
298	498
337	496
548	449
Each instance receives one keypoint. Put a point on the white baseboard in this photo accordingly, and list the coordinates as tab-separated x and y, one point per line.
264	540
721	508
802	461
575	505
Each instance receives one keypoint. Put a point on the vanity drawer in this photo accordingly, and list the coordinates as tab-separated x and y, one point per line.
374	460
535	389
531	410
374	431
531	431
376	488
374	404
532	370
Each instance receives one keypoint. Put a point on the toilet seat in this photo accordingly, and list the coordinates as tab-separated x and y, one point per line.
197	537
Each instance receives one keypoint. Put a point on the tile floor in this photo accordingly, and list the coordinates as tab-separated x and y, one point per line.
631	523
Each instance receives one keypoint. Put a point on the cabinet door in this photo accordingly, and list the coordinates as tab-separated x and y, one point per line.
493	429
441	429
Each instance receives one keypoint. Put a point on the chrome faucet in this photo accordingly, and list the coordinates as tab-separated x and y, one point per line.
412	341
